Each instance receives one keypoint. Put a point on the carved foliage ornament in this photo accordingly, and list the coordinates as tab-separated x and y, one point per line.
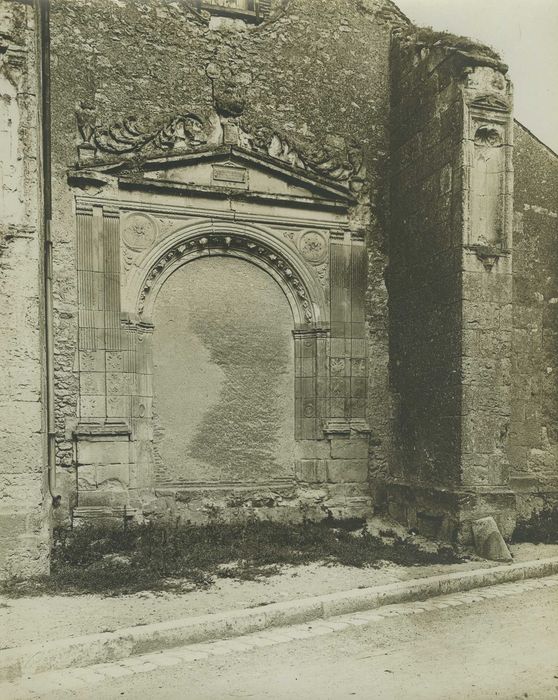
335	159
224	244
184	131
342	162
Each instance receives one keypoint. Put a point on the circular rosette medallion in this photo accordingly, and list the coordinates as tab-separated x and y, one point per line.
313	247
139	231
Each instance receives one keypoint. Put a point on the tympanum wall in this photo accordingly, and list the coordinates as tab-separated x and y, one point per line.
223	376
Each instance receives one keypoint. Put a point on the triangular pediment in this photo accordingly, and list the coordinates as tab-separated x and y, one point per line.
221	171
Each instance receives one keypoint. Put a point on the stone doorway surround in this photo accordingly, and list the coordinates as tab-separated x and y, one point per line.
132	234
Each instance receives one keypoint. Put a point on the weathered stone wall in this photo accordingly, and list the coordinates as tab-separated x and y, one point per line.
315	73
533	449
454	383
425	264
24	532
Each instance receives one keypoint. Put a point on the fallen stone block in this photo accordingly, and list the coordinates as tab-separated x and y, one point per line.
489	543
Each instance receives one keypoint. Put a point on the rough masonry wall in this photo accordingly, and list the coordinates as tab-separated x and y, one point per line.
24	532
534	427
425	265
316	73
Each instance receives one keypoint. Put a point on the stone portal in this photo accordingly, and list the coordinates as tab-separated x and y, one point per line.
223	381
224	367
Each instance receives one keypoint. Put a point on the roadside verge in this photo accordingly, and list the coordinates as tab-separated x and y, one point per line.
86	650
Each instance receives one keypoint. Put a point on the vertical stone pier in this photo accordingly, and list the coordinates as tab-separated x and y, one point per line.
451	288
103	447
24	501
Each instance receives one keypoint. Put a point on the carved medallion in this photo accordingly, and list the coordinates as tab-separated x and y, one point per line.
313	247
309	410
139	231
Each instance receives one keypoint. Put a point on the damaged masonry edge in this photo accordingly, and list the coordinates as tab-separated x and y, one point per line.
104	647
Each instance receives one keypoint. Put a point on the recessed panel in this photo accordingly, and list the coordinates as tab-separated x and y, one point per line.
223	375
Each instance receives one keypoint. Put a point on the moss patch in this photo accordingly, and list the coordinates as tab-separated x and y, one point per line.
112	561
432	38
541	528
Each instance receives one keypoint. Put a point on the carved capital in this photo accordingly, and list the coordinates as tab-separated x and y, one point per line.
84	208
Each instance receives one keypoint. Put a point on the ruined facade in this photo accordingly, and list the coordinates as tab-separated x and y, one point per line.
268	259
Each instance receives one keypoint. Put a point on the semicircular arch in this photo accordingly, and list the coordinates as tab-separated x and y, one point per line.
254	244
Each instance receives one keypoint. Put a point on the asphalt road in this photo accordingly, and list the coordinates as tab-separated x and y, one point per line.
503	648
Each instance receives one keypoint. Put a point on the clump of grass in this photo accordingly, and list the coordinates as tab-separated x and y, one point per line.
430	37
541	528
115	560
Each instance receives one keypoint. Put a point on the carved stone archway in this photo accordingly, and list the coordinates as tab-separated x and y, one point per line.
264	250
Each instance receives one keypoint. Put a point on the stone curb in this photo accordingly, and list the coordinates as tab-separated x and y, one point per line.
86	650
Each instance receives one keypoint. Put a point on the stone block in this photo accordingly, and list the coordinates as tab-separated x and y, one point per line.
347	470
117	406
489	543
114	360
343	491
92	383
349	448
19	451
87	477
103	452
21	488
24	543
113	473
13	525
106	498
92	406
311	470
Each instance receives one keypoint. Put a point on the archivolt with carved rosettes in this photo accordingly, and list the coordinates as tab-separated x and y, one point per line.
222	244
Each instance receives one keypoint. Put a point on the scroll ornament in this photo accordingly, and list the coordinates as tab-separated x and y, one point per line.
183	132
186	132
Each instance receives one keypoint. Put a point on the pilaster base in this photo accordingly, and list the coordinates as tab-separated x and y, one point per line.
103	514
447	513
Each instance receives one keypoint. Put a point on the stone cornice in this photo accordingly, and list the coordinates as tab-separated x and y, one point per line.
132	175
